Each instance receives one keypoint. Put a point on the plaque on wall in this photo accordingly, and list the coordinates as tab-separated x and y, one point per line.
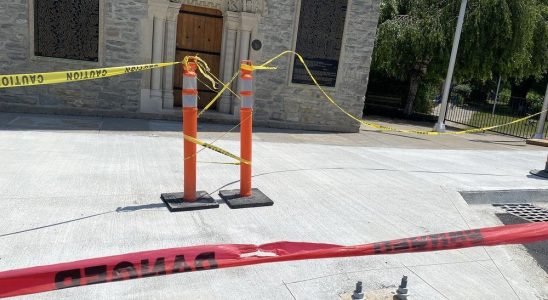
319	40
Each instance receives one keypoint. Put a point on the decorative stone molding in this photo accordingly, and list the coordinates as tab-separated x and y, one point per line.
173	11
158	8
250	6
217	4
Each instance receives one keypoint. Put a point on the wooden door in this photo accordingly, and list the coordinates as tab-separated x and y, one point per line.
199	31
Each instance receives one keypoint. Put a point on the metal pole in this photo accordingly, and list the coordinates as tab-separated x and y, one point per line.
540	126
496	95
440	126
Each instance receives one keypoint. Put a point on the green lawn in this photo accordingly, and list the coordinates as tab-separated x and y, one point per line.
525	129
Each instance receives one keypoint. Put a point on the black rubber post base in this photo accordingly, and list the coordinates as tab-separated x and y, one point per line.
175	202
234	201
540	173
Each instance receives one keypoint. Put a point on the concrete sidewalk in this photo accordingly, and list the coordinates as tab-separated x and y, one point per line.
75	188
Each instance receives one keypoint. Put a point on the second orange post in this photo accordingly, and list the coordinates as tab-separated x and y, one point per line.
246	196
246	129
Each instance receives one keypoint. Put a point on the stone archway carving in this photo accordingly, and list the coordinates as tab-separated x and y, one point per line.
216	4
248	6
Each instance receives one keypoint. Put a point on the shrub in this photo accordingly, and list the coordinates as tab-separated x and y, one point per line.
426	96
534	101
463	90
504	96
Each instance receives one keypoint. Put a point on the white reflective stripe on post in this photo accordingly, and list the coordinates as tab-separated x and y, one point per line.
246	93
190	91
190	83
247	101
246	85
190	101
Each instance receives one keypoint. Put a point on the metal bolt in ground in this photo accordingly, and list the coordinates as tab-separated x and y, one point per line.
402	291
403	283
358	292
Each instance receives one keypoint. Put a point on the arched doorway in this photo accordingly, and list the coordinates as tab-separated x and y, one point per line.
199	31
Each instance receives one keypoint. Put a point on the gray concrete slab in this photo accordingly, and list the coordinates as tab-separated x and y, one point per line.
124	125
505	196
45	122
76	194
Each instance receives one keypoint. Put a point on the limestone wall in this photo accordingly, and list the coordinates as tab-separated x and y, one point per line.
121	25
127	29
278	101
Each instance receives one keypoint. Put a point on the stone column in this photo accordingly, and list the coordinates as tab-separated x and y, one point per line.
248	23
170	40
244	44
151	95
230	30
157	55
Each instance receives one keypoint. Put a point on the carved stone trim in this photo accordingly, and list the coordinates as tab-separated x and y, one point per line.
216	4
250	6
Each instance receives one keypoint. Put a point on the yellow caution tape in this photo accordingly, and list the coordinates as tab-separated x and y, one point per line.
225	87
218	138
264	68
474	130
18	80
253	68
32	79
203	68
216	149
219	163
212	162
381	127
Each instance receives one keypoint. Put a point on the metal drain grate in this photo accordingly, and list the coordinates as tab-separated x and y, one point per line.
527	211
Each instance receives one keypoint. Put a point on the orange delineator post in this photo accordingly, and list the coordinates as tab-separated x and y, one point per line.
246	196
189	199
246	128
246	150
190	128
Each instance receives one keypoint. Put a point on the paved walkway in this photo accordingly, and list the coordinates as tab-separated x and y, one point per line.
75	188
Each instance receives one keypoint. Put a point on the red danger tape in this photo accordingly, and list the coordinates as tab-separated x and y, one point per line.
189	259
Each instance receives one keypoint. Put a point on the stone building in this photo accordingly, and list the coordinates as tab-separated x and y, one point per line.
336	37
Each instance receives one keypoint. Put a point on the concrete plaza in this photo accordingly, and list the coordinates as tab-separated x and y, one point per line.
81	187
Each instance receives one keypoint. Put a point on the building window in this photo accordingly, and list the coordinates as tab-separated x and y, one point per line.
319	40
67	29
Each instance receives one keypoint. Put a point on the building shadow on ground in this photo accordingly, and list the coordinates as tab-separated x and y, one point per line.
47	122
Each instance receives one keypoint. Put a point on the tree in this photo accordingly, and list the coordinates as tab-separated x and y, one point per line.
511	42
410	36
536	66
500	37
